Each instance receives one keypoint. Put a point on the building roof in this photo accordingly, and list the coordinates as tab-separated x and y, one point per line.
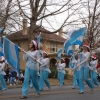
51	36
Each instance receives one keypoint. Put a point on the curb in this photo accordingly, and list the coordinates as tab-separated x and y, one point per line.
16	86
20	86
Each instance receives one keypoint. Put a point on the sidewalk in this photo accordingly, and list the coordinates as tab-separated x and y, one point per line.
53	82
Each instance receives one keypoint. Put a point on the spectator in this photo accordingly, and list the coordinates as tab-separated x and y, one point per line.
98	67
21	78
7	75
98	77
12	76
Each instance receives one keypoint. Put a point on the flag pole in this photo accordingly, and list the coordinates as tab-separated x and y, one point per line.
29	54
25	52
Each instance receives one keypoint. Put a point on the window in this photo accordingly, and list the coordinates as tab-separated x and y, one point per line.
53	48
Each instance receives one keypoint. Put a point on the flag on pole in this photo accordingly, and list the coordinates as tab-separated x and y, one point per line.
59	53
38	40
1	51
70	33
68	47
1	48
11	52
77	36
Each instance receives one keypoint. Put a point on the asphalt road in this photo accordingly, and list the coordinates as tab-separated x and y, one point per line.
56	93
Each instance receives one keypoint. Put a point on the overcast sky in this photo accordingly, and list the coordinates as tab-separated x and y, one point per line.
57	20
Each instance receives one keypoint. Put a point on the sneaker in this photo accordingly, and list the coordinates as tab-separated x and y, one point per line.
73	88
41	89
61	85
49	89
81	92
37	95
23	97
15	80
4	89
14	84
10	84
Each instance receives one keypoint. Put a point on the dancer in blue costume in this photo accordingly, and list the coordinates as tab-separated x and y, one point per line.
73	64
84	70
0	88
2	73
31	69
44	72
93	65
61	71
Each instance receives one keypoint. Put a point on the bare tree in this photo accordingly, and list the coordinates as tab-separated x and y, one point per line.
4	12
40	11
91	19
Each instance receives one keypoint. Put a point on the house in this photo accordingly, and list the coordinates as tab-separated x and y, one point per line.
49	43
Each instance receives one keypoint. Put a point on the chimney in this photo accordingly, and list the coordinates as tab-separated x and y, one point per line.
25	29
60	32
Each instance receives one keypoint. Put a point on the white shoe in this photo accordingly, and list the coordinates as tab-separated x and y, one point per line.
14	84
15	80
3	89
10	84
61	85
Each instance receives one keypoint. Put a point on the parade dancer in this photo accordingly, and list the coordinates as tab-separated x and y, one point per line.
93	65
0	88
84	70
73	64
2	73
31	69
61	71
12	77
44	72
